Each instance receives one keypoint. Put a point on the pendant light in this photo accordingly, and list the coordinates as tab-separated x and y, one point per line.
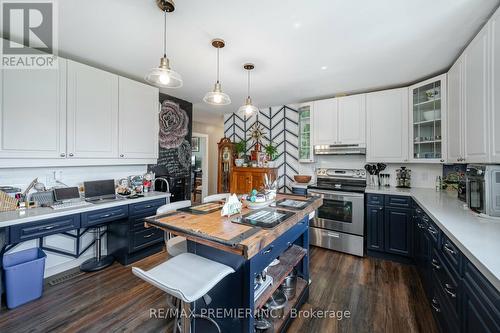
248	109
163	76
217	97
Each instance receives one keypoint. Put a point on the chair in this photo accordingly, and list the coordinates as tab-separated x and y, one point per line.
175	245
216	197
176	278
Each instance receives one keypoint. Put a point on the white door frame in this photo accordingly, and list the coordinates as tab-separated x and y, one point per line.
204	165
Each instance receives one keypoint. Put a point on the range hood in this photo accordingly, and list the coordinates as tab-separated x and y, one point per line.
340	149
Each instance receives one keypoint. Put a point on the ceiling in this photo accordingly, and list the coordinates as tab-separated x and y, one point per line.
302	50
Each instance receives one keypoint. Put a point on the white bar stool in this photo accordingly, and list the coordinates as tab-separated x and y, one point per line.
216	197
187	277
175	245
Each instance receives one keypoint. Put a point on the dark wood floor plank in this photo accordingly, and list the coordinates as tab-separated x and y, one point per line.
382	297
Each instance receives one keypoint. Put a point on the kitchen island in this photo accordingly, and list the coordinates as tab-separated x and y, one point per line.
248	250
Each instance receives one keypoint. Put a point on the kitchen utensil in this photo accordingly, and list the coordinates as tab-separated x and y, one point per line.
381	167
262	325
302	179
289	285
276	304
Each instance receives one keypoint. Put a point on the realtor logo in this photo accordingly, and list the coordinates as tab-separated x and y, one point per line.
29	33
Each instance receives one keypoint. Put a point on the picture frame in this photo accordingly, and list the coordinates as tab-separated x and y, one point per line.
195	144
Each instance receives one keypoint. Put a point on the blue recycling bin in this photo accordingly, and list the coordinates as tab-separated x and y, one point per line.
23	276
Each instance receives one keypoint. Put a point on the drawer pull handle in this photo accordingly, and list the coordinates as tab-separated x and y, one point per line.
333	234
148	206
435	305
435	264
432	230
268	250
449	291
106	215
49	227
447	248
150	235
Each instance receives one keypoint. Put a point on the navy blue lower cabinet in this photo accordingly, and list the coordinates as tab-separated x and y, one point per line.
389	227
398	231
236	291
33	230
103	216
375	228
481	302
129	240
422	252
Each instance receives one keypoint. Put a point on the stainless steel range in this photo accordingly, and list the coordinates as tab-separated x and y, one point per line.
339	222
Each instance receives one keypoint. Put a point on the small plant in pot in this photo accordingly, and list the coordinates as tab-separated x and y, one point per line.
272	154
240	149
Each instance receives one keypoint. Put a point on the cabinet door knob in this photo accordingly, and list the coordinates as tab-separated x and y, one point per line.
63	154
442	161
71	155
121	155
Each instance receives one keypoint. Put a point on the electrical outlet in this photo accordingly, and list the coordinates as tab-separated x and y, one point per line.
58	175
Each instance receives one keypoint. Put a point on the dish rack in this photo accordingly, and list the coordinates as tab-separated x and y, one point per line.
7	203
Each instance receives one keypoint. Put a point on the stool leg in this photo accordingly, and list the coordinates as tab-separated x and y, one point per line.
186	320
99	261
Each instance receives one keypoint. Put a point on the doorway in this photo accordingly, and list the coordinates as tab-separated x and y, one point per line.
199	167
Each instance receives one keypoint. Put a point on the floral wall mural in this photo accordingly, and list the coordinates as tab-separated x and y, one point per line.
175	131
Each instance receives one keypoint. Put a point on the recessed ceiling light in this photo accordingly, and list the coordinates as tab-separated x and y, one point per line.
324	67
297	25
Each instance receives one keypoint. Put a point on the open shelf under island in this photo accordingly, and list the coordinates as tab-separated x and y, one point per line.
248	250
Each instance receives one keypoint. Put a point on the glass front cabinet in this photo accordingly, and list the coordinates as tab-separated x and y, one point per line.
306	153
427	121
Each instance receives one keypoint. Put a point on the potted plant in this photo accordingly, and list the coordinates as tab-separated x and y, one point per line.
272	152
240	148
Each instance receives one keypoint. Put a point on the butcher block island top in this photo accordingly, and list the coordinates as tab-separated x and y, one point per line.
218	231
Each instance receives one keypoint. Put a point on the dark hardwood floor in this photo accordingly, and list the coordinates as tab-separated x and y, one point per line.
381	296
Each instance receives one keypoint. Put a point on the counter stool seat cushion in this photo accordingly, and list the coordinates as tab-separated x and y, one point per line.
176	246
186	276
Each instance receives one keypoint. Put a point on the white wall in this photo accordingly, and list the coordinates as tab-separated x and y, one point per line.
215	133
72	176
423	175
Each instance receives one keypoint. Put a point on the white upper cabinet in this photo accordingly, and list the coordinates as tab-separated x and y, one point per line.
92	112
138	120
455	113
476	101
33	112
387	126
495	87
325	117
428	121
351	126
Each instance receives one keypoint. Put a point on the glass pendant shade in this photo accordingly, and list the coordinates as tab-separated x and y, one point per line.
248	109
217	97
163	76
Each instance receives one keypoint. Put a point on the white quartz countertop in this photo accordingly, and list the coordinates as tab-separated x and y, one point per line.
476	236
29	215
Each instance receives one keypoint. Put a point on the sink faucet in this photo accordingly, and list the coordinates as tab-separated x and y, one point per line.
162	180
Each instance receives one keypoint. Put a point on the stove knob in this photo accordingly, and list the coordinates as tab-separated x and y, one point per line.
357	173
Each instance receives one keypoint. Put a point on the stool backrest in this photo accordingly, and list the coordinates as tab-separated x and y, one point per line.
216	197
171	207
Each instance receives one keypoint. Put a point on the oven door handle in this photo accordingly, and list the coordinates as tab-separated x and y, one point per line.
340	194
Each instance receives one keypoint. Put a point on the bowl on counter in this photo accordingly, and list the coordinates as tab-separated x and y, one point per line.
302	179
257	204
